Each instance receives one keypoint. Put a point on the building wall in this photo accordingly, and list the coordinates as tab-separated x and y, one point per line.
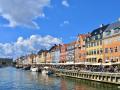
112	44
6	61
38	59
71	52
80	49
48	57
94	53
94	45
43	57
31	59
63	53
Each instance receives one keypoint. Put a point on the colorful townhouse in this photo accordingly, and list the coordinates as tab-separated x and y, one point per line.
55	54
30	59
80	49
25	60
38	59
19	60
63	53
111	43
42	56
94	46
48	57
70	53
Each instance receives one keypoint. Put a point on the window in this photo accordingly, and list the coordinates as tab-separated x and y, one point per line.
116	30
94	51
100	42
91	44
97	43
106	50
108	32
116	50
101	51
98	36
97	51
94	43
111	50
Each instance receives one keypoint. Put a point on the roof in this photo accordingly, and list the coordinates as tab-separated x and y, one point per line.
99	30
41	51
113	25
53	48
83	35
71	43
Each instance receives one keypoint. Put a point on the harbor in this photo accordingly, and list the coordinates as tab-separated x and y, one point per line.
59	45
93	56
27	80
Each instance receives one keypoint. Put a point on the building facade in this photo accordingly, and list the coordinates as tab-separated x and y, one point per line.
42	56
80	49
55	54
63	53
94	46
70	53
48	57
111	43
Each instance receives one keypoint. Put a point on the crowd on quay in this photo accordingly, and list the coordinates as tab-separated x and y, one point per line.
89	68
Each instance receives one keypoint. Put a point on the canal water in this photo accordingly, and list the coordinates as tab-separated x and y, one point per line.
16	79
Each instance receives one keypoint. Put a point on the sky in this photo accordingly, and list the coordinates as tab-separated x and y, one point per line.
30	25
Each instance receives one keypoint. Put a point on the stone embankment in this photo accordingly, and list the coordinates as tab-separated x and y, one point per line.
105	77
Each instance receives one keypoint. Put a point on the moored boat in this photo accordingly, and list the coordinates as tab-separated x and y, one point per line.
34	69
27	68
47	71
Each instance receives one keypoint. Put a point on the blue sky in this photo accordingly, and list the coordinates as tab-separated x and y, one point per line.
61	19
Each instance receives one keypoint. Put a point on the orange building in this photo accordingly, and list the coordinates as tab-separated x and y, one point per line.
111	43
63	53
80	49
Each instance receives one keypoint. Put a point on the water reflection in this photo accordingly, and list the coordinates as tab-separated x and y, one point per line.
16	79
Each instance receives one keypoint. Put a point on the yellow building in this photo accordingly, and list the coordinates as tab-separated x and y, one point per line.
94	46
31	59
42	56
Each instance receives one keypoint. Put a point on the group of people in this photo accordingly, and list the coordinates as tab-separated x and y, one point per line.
97	68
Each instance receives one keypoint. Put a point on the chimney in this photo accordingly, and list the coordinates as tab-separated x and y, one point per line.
101	25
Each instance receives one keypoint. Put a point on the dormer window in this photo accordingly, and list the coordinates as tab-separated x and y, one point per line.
99	36
88	39
108	32
116	30
93	37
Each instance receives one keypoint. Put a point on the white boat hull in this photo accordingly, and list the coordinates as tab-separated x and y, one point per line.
34	69
44	72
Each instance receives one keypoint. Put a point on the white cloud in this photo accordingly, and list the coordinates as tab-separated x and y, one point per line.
24	46
65	3
22	12
66	22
